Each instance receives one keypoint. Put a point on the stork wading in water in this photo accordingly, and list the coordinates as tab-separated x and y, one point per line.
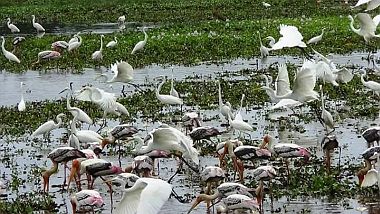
261	174
368	156
223	191
60	155
328	144
220	150
212	175
244	152
285	150
85	198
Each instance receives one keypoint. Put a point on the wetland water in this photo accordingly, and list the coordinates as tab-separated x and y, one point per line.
22	155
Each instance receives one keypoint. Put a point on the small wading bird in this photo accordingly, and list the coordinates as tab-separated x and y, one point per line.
112	44
147	196
374	86
36	25
12	27
238	123
140	45
21	105
121	20
60	155
223	191
48	126
86	198
10	56
167	99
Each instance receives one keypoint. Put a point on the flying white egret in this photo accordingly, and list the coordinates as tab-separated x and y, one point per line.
140	45
367	26
167	99
112	44
171	140
75	44
304	83
10	56
12	27
98	55
374	86
316	39
21	105
36	25
105	100
173	92
291	37
147	196
326	115
263	50
224	108
48	126
371	4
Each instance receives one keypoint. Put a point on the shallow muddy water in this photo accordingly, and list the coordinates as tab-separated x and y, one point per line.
21	155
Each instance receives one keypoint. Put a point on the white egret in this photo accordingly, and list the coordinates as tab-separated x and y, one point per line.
75	44
36	25
224	108
12	27
123	72
326	115
173	92
371	4
75	38
263	50
21	105
140	45
316	39
97	55
238	123
266	4
167	99
112	44
121	19
147	196
48	126
374	86
83	136
291	37
10	56
367	26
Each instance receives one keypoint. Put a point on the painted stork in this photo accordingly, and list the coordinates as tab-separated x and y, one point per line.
371	135
328	144
60	155
239	202
223	191
261	174
47	55
142	165
210	175
220	147
204	133
368	156
191	120
86	198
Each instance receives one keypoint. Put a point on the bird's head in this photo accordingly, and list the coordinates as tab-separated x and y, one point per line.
9	19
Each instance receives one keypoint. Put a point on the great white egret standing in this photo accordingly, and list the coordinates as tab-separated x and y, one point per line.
10	56
238	123
75	44
224	108
147	196
21	105
316	39
166	98
263	50
36	25
112	44
12	27
98	55
140	45
48	126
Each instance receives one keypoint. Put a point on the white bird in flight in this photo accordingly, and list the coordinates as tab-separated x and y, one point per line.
291	37
371	4
367	26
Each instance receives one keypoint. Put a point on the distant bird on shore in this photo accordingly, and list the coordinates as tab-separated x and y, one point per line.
36	25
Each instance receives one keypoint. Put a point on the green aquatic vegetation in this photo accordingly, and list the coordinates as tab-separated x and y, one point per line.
28	203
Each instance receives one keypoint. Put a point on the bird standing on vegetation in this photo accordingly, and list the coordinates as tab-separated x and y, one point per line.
140	45
316	39
374	86
10	56
47	55
167	99
48	126
36	25
112	44
21	105
12	27
74	45
97	55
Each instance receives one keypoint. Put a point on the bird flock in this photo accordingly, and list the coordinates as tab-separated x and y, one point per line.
142	189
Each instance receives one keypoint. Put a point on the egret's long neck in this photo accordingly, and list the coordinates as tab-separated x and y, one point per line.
80	39
9	22
2	46
322	100
159	88
73	126
34	19
241	102
261	43
68	106
59	120
115	39
146	35
101	43
220	95
22	91
362	79
352	26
